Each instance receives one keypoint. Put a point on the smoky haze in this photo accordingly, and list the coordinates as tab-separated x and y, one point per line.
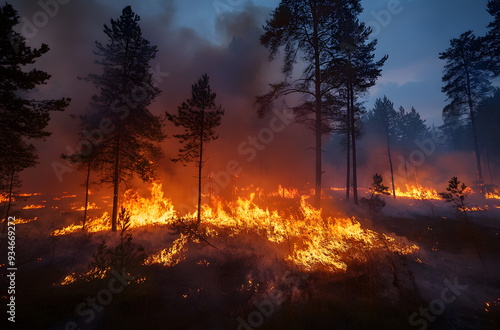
239	69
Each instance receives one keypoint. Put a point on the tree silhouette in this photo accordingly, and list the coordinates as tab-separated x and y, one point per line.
383	118
409	127
489	129
358	72
456	195
89	156
375	204
22	118
305	29
467	81
131	145
492	39
199	116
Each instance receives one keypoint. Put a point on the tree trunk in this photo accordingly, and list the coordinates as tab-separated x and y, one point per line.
317	92
348	136
489	166
390	163
200	165
353	134
116	182
86	195
474	131
9	202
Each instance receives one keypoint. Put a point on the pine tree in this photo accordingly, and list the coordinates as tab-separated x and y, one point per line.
375	204
383	118
131	147
305	30
358	72
89	156
467	81
199	116
492	39
22	118
409	127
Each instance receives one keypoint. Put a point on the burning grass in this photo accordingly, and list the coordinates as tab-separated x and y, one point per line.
309	238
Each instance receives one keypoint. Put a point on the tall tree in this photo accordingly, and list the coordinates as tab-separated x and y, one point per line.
383	118
489	130
467	81
305	29
89	156
199	116
358	72
21	118
409	127
492	39
131	146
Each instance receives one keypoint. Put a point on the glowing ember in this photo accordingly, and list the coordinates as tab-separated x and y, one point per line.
69	279
417	192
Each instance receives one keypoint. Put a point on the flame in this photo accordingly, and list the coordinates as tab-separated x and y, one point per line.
29	194
314	241
170	256
493	195
286	192
22	220
417	192
69	279
90	206
93	225
65	196
33	206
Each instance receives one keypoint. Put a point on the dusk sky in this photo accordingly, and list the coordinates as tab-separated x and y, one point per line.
193	38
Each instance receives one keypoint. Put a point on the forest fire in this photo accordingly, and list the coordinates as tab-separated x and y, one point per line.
298	164
313	242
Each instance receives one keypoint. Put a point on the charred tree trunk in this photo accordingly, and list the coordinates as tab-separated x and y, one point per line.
474	130
9	202
348	138
489	165
200	165
390	163
86	195
353	134
317	92
116	183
